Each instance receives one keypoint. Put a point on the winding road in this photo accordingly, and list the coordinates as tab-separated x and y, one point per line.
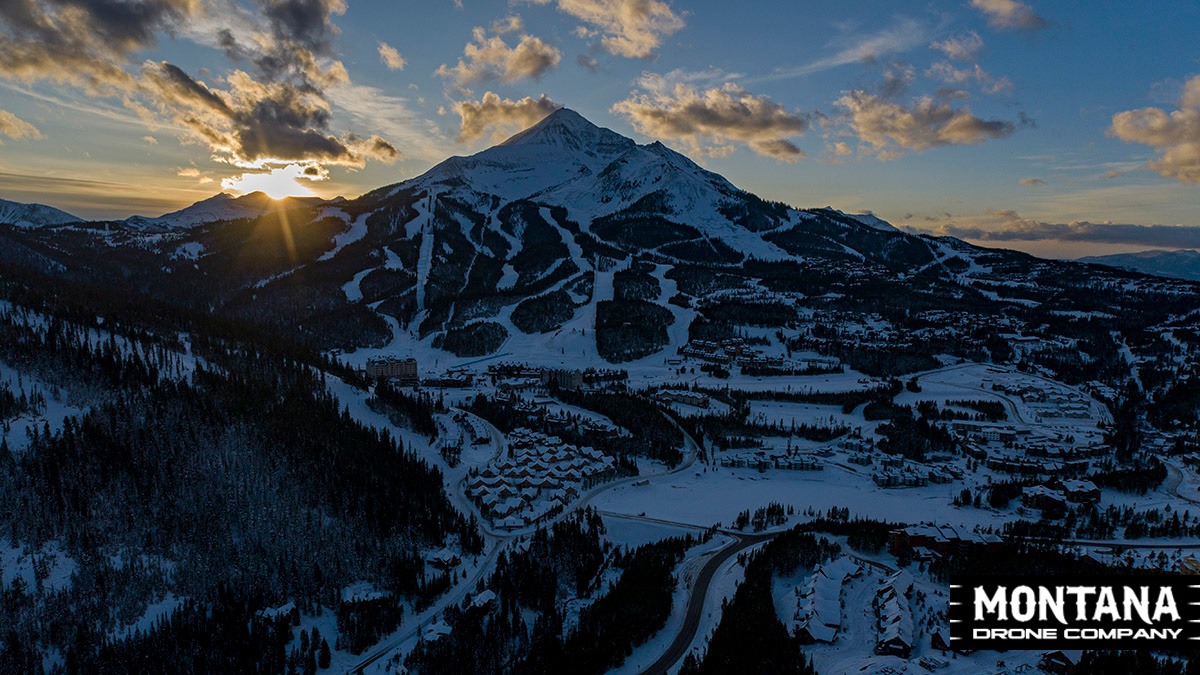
500	539
696	596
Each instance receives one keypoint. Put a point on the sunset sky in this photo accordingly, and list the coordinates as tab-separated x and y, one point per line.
1059	127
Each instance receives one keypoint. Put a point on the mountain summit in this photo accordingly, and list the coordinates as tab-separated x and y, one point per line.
33	215
566	243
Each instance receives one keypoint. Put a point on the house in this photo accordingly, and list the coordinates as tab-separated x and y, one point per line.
445	559
941	641
485	601
1043	498
1081	491
1060	662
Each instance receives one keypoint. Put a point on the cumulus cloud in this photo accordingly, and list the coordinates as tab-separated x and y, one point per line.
390	57
948	73
963	47
1032	182
500	116
1005	14
629	28
16	128
491	58
710	121
1008	225
890	128
1175	135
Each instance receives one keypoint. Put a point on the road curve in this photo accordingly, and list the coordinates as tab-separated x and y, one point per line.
461	590
695	608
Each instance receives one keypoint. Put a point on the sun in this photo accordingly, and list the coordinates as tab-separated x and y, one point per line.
278	183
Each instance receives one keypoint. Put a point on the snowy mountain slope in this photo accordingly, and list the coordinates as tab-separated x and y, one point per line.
531	245
1183	264
33	215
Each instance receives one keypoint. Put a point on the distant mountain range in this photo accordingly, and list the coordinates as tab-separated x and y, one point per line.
33	215
565	230
1184	264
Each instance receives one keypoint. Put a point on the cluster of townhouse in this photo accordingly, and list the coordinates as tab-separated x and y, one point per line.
521	376
735	351
893	615
540	478
772	458
929	541
818	616
1058	494
692	398
1044	399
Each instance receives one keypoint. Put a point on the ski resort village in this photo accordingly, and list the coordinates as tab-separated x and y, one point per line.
568	405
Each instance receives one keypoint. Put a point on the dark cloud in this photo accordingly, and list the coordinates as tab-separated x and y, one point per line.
1008	225
255	121
277	112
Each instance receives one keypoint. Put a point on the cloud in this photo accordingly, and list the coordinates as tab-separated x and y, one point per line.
948	73
896	80
509	24
500	116
150	140
188	172
709	121
1032	182
901	37
272	111
1175	135
1008	225
962	47
890	128
255	123
588	62
491	58
1005	14
16	128
629	28
390	57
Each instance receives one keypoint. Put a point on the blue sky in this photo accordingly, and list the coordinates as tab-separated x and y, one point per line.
1062	128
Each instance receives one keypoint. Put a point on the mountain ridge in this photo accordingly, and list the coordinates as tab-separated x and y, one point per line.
567	238
1180	264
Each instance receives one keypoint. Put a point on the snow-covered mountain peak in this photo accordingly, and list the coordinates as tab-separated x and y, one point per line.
565	129
219	207
33	215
